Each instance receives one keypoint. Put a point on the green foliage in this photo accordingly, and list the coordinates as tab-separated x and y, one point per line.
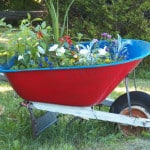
115	16
143	70
128	18
3	24
54	13
20	5
23	43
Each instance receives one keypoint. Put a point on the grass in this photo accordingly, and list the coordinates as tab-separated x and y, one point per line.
16	133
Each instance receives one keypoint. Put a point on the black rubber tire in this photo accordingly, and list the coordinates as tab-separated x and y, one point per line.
138	100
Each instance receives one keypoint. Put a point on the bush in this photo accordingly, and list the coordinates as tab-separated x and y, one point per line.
143	70
20	5
128	18
114	16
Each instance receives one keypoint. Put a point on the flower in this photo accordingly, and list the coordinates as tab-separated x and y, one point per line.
109	36
41	50
53	48
102	51
84	52
60	51
103	35
20	57
39	35
32	48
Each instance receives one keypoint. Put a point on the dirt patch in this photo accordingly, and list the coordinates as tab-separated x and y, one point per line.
138	144
131	144
134	144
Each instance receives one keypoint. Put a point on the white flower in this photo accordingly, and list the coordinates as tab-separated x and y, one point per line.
77	47
20	57
41	50
60	51
84	52
53	48
102	51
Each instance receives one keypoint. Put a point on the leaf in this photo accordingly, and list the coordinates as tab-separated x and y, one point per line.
43	25
37	28
29	16
55	19
65	18
3	19
9	25
37	19
66	44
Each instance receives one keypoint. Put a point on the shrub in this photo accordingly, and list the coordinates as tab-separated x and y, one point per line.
124	17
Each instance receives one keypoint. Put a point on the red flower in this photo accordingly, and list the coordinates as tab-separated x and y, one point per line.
67	39
61	40
39	35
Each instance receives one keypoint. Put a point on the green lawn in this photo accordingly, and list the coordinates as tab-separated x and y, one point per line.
16	133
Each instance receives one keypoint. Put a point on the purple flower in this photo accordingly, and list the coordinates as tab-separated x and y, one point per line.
109	36
104	35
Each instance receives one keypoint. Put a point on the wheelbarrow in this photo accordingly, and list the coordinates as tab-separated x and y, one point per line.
76	90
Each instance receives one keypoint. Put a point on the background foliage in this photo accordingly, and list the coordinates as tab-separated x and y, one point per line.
20	5
93	17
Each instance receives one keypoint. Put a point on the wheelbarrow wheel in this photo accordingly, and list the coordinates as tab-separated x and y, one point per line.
140	107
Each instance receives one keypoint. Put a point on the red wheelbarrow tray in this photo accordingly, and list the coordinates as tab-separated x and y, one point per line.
76	85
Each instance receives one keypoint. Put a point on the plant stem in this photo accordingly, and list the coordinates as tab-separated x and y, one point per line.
65	17
54	17
54	13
